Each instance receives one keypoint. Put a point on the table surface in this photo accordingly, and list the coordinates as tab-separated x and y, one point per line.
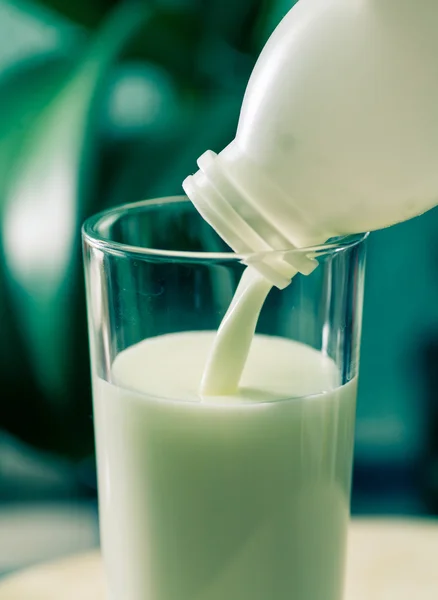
387	560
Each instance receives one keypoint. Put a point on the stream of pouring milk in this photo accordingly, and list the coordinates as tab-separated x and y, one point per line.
229	353
230	350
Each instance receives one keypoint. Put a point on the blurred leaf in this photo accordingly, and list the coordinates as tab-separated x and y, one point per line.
25	91
88	13
47	194
171	37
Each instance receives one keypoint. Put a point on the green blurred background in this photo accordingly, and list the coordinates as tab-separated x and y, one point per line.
106	101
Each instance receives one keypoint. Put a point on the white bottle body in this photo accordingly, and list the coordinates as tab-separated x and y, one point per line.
339	124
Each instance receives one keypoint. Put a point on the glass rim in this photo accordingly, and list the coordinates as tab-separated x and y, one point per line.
94	238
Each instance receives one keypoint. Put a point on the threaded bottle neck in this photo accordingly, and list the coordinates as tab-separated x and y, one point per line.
230	194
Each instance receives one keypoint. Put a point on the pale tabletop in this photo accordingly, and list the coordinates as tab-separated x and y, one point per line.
388	560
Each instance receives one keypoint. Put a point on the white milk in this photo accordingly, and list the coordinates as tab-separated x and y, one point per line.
232	498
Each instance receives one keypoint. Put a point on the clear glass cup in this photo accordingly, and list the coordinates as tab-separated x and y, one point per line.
241	499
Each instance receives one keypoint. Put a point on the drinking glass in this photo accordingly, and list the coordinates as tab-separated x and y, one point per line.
200	499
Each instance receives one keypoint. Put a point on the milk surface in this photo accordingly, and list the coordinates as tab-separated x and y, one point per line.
242	497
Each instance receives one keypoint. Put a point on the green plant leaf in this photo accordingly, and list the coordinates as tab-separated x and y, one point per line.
47	192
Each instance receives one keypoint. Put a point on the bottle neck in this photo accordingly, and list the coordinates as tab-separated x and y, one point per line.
250	214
